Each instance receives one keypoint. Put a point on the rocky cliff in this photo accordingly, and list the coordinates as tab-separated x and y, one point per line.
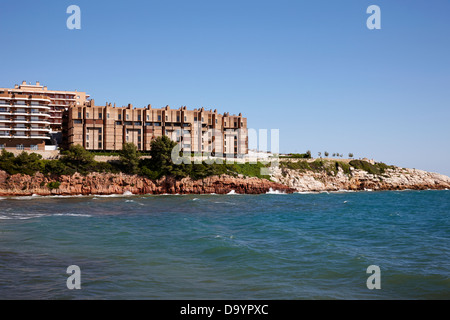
108	183
284	180
392	179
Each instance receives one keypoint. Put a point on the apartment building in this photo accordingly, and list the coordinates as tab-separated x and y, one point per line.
59	100
24	121
107	128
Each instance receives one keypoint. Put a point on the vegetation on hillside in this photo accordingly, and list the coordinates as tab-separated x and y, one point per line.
77	159
331	167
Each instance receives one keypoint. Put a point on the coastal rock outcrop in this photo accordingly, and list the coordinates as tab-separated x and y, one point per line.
392	179
109	183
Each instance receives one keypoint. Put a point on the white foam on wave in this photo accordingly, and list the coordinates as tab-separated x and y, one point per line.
232	192
27	216
71	215
271	191
21	216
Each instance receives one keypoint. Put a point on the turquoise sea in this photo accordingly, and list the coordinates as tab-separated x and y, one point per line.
270	246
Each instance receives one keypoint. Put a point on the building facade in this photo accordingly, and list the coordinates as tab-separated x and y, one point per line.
107	128
24	121
59	100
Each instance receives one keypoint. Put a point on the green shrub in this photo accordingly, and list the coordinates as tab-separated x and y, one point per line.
53	185
376	169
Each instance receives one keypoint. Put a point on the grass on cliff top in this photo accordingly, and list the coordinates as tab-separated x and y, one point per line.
331	167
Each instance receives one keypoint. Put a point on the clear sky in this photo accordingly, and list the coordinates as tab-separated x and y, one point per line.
311	69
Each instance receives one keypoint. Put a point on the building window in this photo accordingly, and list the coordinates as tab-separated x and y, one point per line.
33	147
77	121
87	114
87	144
79	115
99	145
127	138
2	146
87	137
99	137
100	115
128	117
19	147
107	116
148	117
120	117
159	118
139	117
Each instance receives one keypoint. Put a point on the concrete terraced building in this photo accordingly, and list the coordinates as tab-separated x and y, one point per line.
107	128
24	121
59	100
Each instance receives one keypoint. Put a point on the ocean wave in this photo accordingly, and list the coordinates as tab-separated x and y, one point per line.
232	192
71	215
27	216
271	191
21	216
306	192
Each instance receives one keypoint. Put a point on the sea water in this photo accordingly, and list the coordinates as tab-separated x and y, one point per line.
269	246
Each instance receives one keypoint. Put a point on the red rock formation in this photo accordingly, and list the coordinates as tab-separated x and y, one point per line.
108	183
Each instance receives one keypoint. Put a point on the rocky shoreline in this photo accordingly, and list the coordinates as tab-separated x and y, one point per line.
359	180
283	180
109	184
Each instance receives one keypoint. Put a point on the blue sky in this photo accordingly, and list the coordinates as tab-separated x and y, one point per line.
311	69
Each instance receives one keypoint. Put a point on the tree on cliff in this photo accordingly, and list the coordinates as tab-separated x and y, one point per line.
129	157
161	163
78	158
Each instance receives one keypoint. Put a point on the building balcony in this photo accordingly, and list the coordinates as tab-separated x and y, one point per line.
31	106
29	129
15	136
